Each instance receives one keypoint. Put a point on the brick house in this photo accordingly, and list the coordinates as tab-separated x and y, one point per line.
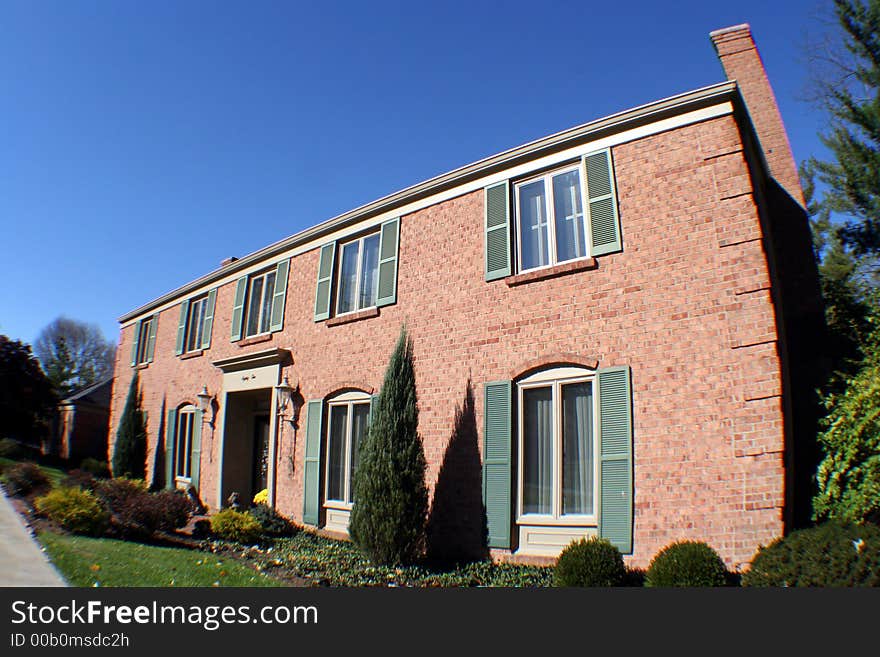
616	332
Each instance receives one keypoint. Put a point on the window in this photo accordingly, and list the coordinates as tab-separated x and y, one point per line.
558	459
348	420
551	220
196	322
144	341
258	306
362	272
259	310
183	444
557	447
358	274
554	217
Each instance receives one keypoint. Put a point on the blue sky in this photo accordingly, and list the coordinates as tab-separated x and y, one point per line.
142	143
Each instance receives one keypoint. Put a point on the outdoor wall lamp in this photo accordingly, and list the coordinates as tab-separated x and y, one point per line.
284	398
204	398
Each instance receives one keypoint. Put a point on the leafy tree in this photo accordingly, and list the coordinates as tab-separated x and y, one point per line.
74	354
390	496
130	450
849	475
849	88
26	397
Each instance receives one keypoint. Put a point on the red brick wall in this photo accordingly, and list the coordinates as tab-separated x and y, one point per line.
686	305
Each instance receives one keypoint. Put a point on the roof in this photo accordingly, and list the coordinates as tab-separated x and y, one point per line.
626	120
97	394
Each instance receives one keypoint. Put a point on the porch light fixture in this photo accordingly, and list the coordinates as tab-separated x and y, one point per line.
283	395
204	398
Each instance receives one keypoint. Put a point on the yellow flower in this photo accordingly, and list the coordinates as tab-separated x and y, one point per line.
262	497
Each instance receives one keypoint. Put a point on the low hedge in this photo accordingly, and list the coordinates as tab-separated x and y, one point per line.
24	478
238	526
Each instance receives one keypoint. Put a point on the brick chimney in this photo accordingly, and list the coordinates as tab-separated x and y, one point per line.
741	61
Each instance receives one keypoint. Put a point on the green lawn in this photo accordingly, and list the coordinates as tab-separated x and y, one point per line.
55	475
108	562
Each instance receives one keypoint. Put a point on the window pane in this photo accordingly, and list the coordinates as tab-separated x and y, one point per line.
570	237
182	447
538	450
266	312
348	278
194	329
577	448
533	225
253	323
336	454
369	272
360	419
143	340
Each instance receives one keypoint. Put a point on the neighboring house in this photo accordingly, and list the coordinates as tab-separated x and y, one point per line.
617	331
82	424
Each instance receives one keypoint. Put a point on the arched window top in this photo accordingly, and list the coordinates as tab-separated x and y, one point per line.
348	395
186	407
557	373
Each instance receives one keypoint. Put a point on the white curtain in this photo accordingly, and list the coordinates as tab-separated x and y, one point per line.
538	452
577	449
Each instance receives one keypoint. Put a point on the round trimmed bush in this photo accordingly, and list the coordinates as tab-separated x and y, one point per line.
590	562
173	509
832	554
238	526
686	563
24	478
78	511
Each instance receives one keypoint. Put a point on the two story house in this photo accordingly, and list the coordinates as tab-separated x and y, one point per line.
617	332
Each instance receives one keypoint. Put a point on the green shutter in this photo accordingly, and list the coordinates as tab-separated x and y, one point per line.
497	207
497	464
170	433
279	296
238	309
208	322
616	464
151	342
312	467
195	458
325	280
134	345
181	327
374	400
388	247
602	203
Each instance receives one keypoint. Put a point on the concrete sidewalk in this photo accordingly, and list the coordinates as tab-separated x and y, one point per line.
22	562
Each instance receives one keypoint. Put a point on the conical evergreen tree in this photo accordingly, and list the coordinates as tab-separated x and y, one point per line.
130	451
390	496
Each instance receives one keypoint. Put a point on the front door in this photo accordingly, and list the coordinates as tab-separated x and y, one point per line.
261	454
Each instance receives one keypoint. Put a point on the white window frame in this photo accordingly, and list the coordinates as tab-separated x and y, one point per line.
349	400
144	340
547	177
187	413
250	303
187	338
556	378
360	263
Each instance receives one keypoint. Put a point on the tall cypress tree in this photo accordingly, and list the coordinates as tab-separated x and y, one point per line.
390	496
130	450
